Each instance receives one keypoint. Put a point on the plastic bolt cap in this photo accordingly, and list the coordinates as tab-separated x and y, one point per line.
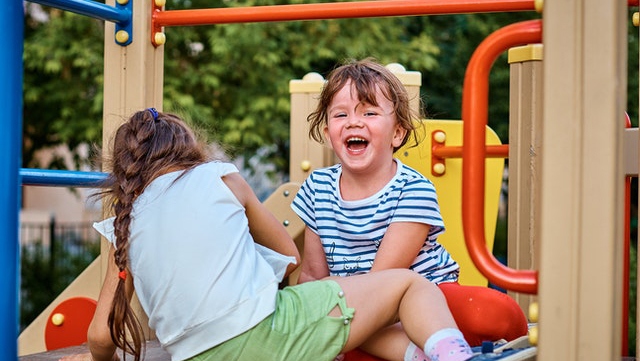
305	165
57	319
438	168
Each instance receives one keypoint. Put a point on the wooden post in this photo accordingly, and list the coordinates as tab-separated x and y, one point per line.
133	80
582	178
525	118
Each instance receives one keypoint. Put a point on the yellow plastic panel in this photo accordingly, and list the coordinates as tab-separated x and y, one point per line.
449	190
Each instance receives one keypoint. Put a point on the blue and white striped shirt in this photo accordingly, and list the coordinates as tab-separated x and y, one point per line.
351	231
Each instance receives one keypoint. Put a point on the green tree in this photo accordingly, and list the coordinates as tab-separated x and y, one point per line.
457	37
63	77
234	77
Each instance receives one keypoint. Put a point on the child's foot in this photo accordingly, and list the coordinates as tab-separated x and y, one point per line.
451	349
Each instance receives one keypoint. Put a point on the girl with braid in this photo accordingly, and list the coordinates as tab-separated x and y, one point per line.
205	258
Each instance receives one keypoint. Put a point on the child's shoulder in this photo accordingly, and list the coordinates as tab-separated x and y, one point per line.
407	172
218	167
326	172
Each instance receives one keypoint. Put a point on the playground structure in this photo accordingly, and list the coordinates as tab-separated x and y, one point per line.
571	150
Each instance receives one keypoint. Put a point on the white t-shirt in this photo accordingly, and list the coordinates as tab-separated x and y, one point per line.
199	275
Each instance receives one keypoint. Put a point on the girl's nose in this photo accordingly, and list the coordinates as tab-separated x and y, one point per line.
354	121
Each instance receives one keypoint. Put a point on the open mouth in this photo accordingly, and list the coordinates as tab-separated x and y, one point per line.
356	144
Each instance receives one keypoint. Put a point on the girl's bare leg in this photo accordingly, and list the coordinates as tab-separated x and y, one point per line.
389	343
382	298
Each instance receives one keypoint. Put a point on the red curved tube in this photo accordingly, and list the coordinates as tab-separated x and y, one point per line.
475	97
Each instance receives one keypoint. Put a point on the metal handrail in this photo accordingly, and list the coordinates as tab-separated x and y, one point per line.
474	115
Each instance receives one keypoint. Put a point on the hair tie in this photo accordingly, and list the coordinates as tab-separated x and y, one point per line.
123	274
154	113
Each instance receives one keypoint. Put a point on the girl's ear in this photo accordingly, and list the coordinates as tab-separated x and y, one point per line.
398	136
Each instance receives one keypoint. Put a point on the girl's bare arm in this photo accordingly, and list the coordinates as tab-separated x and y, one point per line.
99	341
263	225
400	245
314	262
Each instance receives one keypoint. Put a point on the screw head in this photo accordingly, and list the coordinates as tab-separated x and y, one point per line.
159	38
122	36
57	319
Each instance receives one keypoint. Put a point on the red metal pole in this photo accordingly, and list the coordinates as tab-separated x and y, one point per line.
474	114
318	11
627	253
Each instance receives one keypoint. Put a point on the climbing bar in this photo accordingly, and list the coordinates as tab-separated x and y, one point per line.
121	14
455	151
93	9
323	11
320	11
61	178
475	99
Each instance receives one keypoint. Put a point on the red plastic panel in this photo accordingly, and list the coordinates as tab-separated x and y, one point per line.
68	323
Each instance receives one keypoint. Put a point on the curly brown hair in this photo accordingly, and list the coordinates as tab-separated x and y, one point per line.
367	76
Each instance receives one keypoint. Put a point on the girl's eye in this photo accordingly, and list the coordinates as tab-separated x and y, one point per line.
370	114
339	115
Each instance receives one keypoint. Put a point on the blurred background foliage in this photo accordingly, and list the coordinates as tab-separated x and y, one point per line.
232	79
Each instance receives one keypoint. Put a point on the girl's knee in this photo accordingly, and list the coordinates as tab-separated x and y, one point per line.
406	274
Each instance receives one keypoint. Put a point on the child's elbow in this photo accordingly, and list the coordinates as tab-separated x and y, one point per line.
292	251
292	266
100	342
298	259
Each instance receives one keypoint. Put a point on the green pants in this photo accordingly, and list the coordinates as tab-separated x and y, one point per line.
299	329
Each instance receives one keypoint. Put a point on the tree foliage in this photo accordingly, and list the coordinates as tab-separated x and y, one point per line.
235	77
232	80
63	77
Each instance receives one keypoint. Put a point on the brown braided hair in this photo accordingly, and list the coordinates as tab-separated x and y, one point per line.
148	145
366	76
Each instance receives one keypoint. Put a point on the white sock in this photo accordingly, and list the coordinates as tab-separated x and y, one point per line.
439	335
447	344
414	353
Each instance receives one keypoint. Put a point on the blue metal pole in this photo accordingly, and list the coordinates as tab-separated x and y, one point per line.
11	68
121	14
61	178
90	8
